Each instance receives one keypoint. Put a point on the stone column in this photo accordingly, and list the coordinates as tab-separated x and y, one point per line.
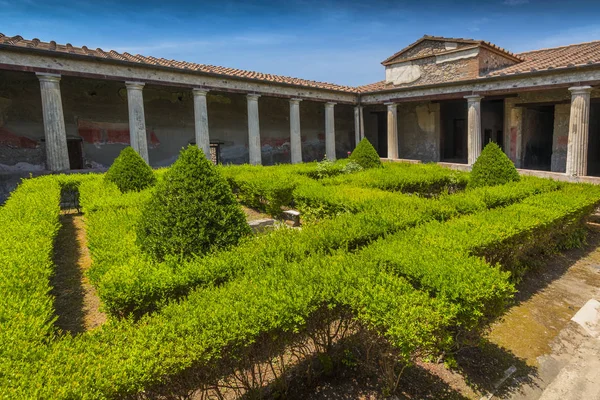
356	125
253	130
295	134
474	127
579	123
201	121
362	123
57	155
516	135
392	130
137	119
329	131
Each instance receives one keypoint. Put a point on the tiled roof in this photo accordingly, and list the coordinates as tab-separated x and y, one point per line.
457	40
532	61
558	57
52	46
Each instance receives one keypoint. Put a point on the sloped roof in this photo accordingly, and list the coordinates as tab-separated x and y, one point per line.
68	49
573	55
474	42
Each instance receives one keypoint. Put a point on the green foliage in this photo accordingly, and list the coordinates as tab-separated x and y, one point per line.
130	172
365	155
492	168
191	212
352	167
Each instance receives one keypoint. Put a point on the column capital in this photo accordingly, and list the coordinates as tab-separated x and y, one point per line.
295	100
330	104
473	98
134	85
44	77
391	105
580	90
252	96
200	91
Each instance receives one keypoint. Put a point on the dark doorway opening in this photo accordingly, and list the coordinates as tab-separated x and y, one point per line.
492	122
538	129
453	129
594	141
75	149
381	133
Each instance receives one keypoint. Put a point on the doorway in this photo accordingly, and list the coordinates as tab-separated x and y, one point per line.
538	129
453	131
75	150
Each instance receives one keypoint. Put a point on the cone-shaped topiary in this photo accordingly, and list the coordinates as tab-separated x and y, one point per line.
130	172
492	168
365	155
191	212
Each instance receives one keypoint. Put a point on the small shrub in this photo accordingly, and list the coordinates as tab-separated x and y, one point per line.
192	211
352	167
327	168
493	168
130	172
365	155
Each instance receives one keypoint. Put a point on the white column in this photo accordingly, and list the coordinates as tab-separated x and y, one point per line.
201	121
579	123
474	127
329	131
57	155
137	119
253	130
295	133
356	125
362	123
392	130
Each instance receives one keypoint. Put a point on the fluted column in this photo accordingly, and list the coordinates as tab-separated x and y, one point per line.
57	155
474	127
137	119
201	121
392	130
579	123
295	133
362	123
253	130
329	131
356	125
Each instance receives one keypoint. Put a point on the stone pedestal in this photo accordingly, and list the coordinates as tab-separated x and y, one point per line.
474	128
57	155
201	121
392	130
330	131
137	119
295	133
579	123
253	130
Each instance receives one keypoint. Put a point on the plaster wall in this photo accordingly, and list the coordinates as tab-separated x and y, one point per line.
419	131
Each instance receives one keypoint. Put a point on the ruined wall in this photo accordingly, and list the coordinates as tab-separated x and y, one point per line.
419	131
96	116
490	61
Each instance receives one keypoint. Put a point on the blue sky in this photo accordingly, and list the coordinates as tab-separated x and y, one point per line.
326	40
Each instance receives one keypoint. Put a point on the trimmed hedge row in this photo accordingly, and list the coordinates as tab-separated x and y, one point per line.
423	179
212	326
433	256
128	282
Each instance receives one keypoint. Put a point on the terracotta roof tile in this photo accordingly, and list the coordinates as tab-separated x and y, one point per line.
532	61
558	57
18	41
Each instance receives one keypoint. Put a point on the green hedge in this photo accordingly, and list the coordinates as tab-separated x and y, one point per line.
128	282
423	179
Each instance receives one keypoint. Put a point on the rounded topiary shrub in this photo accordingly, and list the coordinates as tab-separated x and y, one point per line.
492	168
365	155
192	211
130	172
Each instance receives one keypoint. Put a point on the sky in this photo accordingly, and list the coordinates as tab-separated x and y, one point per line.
342	42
